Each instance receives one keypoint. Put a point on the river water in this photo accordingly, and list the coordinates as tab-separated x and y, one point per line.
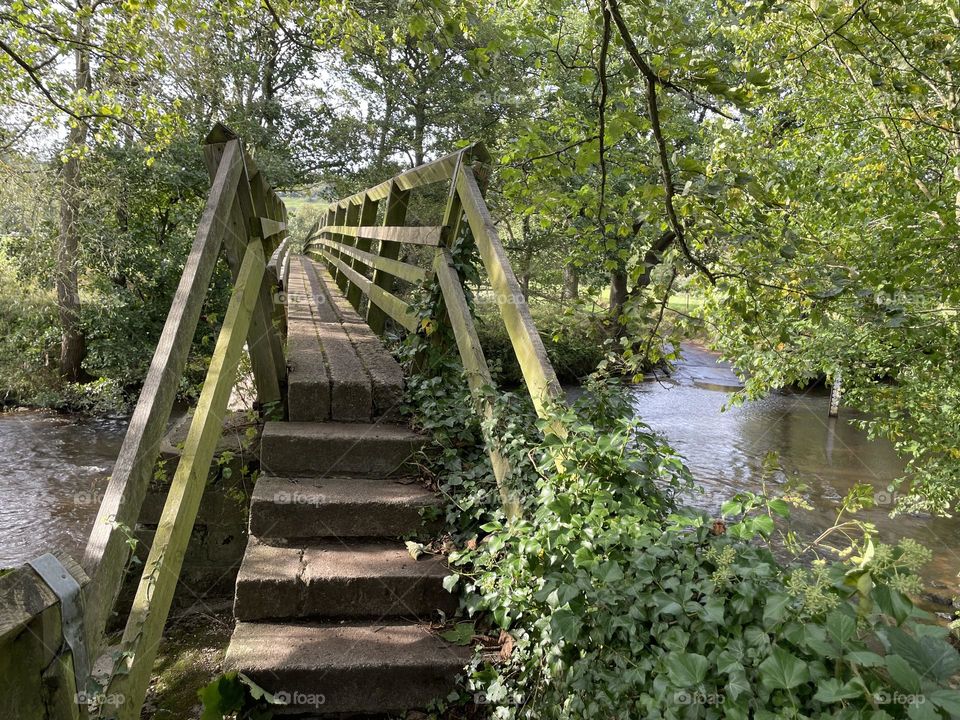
53	468
725	447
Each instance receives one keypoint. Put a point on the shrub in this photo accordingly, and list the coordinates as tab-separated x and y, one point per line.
609	601
574	344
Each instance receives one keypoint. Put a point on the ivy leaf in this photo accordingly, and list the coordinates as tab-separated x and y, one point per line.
832	690
565	624
783	671
461	634
841	626
902	674
687	669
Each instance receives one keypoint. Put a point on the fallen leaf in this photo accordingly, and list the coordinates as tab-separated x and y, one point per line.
415	549
506	645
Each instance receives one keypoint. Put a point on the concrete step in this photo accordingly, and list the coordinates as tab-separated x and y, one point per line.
335	579
338	507
347	668
331	448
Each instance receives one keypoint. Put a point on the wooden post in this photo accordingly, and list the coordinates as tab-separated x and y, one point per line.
475	367
107	549
161	571
537	371
339	216
368	216
351	219
395	215
835	391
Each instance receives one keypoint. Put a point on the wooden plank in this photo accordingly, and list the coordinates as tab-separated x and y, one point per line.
24	595
107	550
394	216
161	571
269	228
264	340
475	367
402	270
431	235
389	303
368	214
426	174
340	215
537	371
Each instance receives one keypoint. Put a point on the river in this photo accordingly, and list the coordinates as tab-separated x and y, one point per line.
724	447
53	468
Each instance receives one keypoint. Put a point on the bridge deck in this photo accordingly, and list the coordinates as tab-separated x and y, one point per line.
332	612
339	370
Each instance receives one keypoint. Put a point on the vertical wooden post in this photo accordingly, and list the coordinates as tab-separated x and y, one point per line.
835	391
395	215
351	219
367	216
266	354
339	219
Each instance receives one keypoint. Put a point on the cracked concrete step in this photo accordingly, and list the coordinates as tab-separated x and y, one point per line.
344	507
330	448
347	668
340	579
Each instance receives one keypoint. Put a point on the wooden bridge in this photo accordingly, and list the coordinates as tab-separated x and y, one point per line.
333	615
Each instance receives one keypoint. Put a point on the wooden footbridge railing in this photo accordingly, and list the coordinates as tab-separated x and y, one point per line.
47	661
363	259
54	614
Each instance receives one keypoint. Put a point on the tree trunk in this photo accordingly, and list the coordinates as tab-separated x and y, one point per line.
571	283
618	297
527	260
73	344
420	123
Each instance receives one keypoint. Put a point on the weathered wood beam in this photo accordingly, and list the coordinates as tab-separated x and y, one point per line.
475	367
538	373
151	605
107	550
432	235
402	270
367	215
389	303
395	214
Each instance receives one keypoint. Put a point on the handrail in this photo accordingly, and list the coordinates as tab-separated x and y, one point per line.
246	218
345	243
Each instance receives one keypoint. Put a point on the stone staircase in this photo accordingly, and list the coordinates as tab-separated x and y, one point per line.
333	614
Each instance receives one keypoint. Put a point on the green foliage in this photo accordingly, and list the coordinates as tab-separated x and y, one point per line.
234	695
618	603
575	344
